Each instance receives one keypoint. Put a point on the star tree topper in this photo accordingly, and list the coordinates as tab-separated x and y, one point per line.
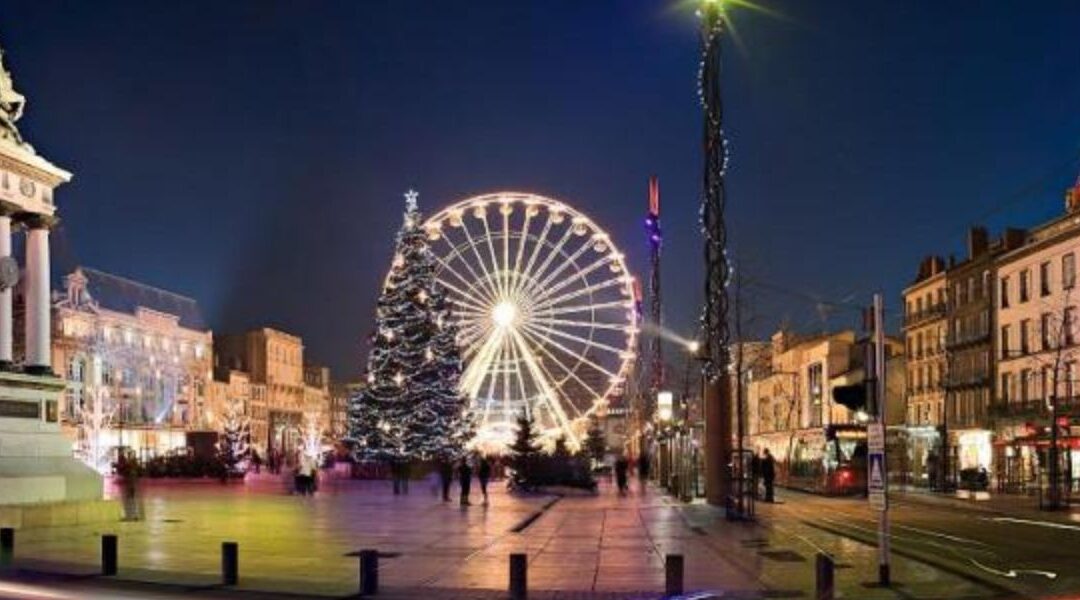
410	200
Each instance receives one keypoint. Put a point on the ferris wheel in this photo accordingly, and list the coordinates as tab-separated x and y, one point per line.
545	309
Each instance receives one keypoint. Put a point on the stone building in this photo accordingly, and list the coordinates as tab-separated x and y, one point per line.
789	398
1038	349
275	359
235	387
142	352
925	326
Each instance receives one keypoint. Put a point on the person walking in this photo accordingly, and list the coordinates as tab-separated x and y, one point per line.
621	467
465	480
446	477
768	474
643	469
483	473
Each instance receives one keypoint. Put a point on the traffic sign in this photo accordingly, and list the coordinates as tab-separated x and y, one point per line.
876	475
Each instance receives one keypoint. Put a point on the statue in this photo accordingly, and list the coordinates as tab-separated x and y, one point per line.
12	104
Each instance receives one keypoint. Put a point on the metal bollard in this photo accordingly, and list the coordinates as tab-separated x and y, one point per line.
673	574
519	579
108	554
7	545
369	572
230	563
823	580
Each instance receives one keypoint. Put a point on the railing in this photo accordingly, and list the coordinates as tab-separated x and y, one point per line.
1034	408
916	317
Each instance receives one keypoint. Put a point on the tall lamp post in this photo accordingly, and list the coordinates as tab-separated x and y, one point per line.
717	388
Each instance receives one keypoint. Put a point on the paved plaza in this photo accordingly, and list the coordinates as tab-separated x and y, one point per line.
602	546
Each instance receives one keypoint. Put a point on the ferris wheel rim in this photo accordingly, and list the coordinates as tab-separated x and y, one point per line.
552	298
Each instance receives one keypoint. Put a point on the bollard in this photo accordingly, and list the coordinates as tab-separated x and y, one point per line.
673	574
823	586
108	554
369	572
519	580
7	545
230	563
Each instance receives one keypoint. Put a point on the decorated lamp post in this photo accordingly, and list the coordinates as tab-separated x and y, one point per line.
717	392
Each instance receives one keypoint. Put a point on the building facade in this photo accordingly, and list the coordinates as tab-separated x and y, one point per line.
1038	349
925	332
275	360
138	354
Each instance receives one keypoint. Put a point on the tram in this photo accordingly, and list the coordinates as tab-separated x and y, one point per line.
830	460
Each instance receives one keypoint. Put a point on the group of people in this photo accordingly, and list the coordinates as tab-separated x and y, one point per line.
464	471
306	478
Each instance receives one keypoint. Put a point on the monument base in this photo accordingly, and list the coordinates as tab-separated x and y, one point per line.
41	482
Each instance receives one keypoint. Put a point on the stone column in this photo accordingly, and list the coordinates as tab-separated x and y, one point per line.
38	304
6	322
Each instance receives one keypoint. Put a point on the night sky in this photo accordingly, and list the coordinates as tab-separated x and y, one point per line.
252	155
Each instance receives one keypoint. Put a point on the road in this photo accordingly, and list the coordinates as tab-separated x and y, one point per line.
1027	556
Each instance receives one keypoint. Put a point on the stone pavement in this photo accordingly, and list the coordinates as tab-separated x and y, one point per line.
582	547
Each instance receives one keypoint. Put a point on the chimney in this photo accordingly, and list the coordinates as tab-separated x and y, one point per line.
1013	238
978	241
779	342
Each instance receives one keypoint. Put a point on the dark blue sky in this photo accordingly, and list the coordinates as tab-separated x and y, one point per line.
253	154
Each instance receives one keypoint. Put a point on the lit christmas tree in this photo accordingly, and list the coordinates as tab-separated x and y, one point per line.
411	408
233	447
525	455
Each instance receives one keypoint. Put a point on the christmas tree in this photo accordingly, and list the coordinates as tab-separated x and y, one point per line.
411	408
595	442
525	456
233	447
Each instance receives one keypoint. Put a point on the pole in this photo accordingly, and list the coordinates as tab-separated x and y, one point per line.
881	401
717	392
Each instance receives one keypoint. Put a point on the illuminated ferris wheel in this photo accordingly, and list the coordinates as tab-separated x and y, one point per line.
545	308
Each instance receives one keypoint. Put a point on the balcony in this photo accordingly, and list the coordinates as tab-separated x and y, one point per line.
936	311
1033	409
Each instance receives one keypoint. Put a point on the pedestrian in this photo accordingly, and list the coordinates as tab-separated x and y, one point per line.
128	468
621	467
446	477
256	460
311	473
643	469
768	474
483	473
465	480
755	474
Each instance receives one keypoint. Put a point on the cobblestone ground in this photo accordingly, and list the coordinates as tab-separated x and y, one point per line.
602	546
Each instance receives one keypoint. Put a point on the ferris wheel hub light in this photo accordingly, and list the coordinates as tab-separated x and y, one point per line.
504	313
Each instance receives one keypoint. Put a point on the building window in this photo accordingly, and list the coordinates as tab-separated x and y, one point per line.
1006	385
1025	281
815	381
986	285
1044	326
1070	378
1004	292
1068	271
1044	279
1004	342
1025	379
1025	325
971	289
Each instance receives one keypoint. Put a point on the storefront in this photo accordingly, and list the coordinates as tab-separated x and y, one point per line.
1024	455
923	449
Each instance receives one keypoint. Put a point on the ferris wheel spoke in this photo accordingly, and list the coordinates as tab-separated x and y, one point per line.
471	335
488	276
496	272
550	395
504	271
483	286
516	273
571	374
580	324
563	310
546	290
461	297
553	252
516	357
523	278
589	289
546	333
474	283
474	374
541	286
